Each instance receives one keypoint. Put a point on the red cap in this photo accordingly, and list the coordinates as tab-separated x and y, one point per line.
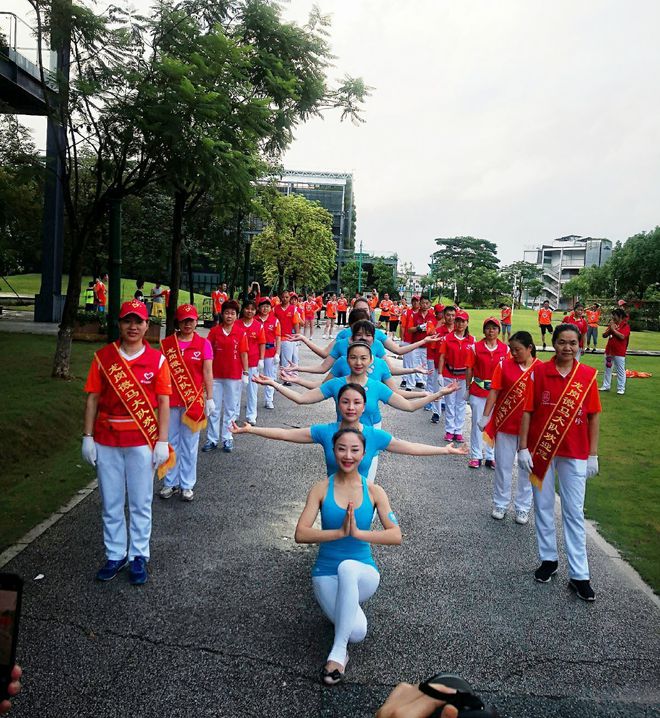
135	306
439	308
493	320
622	302
415	297
462	314
186	311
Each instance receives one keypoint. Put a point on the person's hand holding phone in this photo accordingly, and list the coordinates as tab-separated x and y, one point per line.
13	689
407	701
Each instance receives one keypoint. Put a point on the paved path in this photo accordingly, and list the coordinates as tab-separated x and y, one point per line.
227	625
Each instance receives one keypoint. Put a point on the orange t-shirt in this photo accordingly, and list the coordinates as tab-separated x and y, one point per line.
342	305
373	302
386	307
545	316
593	317
331	310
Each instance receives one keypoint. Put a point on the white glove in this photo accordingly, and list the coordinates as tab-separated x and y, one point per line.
592	466
525	460
161	453
89	450
276	359
209	407
483	421
260	366
245	378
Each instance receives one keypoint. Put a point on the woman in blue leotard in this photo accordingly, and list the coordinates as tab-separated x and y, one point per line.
359	359
350	404
345	573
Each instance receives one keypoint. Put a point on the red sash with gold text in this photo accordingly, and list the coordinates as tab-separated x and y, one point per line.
560	420
511	401
134	399
192	397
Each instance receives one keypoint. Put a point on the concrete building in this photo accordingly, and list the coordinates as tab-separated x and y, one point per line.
334	192
562	259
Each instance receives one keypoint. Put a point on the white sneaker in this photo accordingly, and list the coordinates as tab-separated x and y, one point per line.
168	491
522	517
325	336
602	388
498	513
251	422
269	405
187	495
620	392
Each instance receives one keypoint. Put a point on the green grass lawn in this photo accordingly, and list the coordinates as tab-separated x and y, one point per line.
29	284
41	422
40	427
527	320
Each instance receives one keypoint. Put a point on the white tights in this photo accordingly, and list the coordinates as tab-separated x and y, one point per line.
340	597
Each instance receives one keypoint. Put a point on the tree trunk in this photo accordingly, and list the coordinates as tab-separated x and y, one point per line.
190	279
180	198
237	257
62	358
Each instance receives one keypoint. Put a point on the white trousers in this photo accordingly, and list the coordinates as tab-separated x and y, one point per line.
455	408
340	597
185	443
419	357
287	353
506	448
572	475
270	369
408	363
433	384
618	363
227	398
252	391
478	448
125	471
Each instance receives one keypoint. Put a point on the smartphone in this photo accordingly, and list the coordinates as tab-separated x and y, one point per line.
11	592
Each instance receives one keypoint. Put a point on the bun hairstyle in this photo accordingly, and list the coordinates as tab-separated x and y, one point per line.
525	339
230	304
342	432
358	345
363	326
352	387
564	328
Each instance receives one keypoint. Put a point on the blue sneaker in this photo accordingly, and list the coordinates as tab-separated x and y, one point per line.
137	572
209	446
228	446
111	569
428	407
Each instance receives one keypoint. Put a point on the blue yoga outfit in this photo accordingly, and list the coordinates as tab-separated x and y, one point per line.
332	553
375	440
340	349
376	392
378	371
347	333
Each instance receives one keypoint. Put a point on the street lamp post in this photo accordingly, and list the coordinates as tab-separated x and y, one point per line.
360	270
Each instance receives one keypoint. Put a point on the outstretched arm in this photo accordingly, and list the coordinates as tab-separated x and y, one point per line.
322	352
308	397
411	448
295	436
400	403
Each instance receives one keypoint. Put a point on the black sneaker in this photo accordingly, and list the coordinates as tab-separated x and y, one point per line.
402	385
582	589
435	419
419	385
546	571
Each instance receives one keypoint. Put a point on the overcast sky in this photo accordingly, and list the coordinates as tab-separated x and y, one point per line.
511	120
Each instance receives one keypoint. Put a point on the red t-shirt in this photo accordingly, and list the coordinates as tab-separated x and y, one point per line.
505	374
342	305
542	397
483	362
272	332
310	309
227	350
505	315
218	298
255	338
581	324
433	350
618	347
420	318
101	293
288	317
455	350
545	316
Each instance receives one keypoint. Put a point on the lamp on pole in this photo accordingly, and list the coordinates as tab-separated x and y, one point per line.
360	270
